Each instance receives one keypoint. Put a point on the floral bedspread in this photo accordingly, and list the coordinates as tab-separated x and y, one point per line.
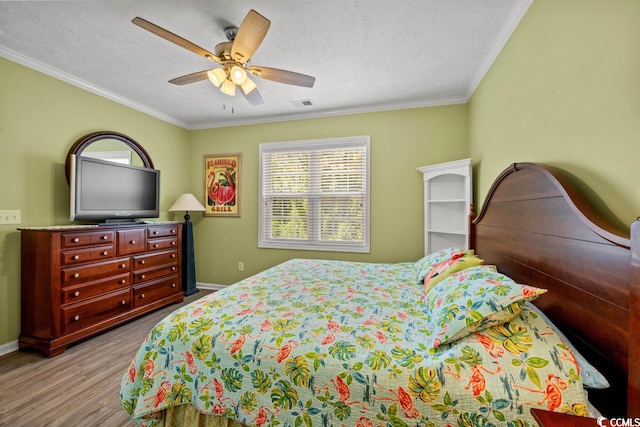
331	343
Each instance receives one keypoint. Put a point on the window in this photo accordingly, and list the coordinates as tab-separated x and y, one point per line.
315	195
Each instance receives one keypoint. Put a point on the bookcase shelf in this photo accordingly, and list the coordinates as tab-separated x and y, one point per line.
447	205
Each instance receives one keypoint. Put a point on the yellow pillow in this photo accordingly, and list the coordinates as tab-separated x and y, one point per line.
447	267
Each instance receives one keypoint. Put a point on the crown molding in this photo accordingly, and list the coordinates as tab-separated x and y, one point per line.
82	84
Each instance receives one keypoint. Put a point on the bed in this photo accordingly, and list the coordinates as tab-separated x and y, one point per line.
590	268
443	340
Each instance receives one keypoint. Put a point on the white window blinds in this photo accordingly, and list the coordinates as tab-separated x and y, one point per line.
315	195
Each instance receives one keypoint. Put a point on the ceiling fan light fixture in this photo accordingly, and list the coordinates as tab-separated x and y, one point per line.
233	58
228	87
237	74
217	76
247	85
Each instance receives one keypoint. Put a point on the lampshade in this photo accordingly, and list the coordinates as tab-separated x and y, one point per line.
247	85
237	74
228	87
187	202
227	79
217	76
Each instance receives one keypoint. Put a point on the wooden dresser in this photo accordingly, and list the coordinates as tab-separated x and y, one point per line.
78	281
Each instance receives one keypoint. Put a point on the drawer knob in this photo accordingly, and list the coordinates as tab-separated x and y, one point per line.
173	269
155	246
123	265
105	237
173	285
142	276
123	281
173	255
76	318
133	242
155	232
123	302
173	231
105	253
76	294
142	262
76	240
173	243
141	295
76	275
76	257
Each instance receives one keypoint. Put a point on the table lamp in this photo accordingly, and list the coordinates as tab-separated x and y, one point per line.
185	203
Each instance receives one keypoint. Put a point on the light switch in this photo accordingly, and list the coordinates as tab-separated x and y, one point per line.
10	217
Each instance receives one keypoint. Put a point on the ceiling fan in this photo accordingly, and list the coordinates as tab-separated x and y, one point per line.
233	57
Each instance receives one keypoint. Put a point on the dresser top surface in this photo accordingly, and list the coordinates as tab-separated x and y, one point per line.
81	227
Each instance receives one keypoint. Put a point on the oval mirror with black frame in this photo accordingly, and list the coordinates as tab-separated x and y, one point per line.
109	145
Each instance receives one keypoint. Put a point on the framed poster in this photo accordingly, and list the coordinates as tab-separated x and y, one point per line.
222	184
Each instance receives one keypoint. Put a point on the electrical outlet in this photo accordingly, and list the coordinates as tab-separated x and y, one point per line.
10	217
241	266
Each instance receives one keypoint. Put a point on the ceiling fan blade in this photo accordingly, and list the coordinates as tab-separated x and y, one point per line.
250	34
174	38
283	76
254	98
190	78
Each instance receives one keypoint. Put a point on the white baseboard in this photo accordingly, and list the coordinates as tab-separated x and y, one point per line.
12	346
9	347
210	286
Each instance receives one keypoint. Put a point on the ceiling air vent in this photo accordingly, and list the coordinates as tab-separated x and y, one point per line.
302	103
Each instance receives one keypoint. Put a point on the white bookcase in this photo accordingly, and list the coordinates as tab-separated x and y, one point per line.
447	205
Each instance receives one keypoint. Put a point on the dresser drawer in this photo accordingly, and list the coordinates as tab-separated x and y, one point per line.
164	231
77	256
94	288
78	239
81	274
142	262
155	290
160	244
154	273
81	315
131	241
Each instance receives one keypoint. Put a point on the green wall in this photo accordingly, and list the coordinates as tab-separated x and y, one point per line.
40	118
401	141
565	91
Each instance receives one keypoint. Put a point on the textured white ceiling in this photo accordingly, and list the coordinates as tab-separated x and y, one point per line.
366	55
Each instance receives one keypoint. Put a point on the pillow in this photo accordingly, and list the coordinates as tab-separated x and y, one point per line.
472	300
591	377
426	264
444	269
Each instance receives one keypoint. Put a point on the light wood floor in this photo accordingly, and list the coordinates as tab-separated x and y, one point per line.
81	386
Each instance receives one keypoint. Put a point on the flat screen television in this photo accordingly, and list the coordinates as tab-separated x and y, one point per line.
110	192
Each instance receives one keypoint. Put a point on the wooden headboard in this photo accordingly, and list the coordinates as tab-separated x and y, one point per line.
536	228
